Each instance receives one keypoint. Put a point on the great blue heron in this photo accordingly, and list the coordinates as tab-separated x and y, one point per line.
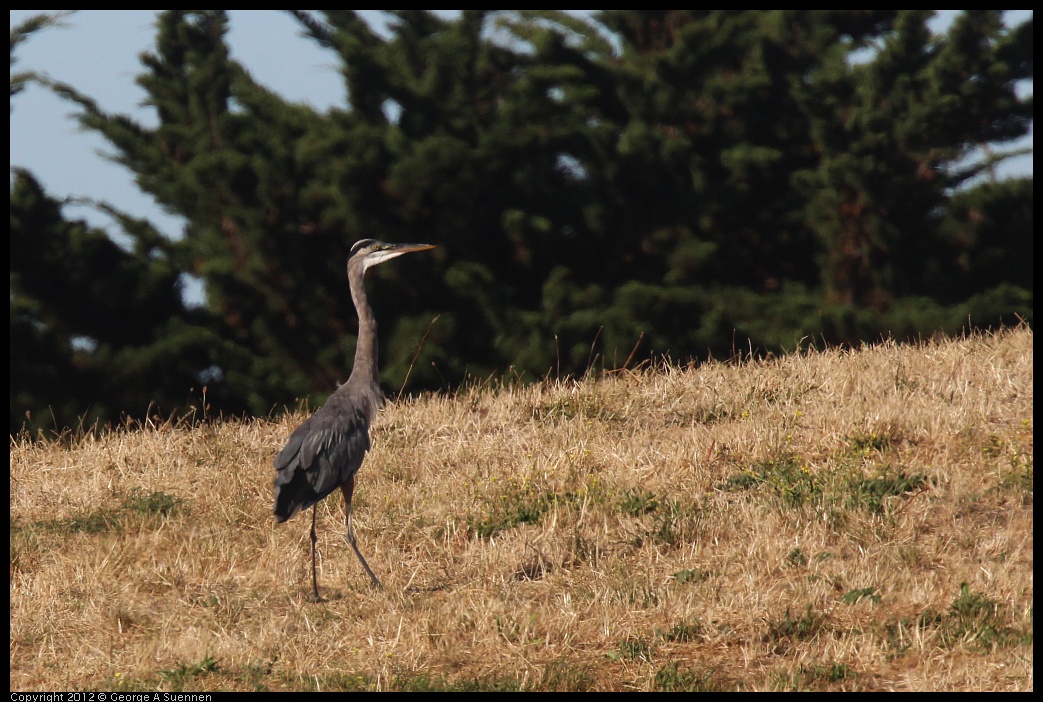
326	451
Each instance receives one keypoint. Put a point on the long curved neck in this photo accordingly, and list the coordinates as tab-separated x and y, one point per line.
365	367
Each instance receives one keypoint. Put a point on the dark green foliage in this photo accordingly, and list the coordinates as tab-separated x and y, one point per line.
96	331
987	244
714	181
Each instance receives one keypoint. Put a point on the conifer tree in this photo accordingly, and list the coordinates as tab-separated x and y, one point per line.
98	331
894	134
613	187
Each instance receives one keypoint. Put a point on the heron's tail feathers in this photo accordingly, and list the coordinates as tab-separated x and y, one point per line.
292	494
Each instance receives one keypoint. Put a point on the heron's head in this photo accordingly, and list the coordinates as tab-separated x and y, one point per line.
370	252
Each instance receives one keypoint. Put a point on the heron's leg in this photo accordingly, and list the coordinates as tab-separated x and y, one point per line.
314	578
348	488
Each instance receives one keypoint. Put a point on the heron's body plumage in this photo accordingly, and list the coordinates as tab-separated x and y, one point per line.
321	454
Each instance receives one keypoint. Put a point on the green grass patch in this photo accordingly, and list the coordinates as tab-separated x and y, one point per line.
870	493
516	507
674	523
690	630
818	677
1014	461
564	675
101	521
677	525
632	649
95	522
797	558
791	481
336	682
152	503
865	444
786	476
183	674
854	596
422	682
673	678
408	681
900	634
976	619
972	619
801	627
638	502
687	576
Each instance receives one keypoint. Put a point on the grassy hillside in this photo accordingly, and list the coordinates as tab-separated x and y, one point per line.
841	520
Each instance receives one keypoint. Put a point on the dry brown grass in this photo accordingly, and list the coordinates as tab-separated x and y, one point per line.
837	520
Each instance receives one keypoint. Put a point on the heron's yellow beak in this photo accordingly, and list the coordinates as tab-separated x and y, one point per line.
406	248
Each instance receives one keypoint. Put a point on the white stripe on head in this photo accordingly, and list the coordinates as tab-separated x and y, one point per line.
379	257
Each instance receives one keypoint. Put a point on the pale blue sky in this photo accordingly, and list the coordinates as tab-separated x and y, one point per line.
97	52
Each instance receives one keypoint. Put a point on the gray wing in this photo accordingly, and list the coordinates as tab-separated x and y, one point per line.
320	455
